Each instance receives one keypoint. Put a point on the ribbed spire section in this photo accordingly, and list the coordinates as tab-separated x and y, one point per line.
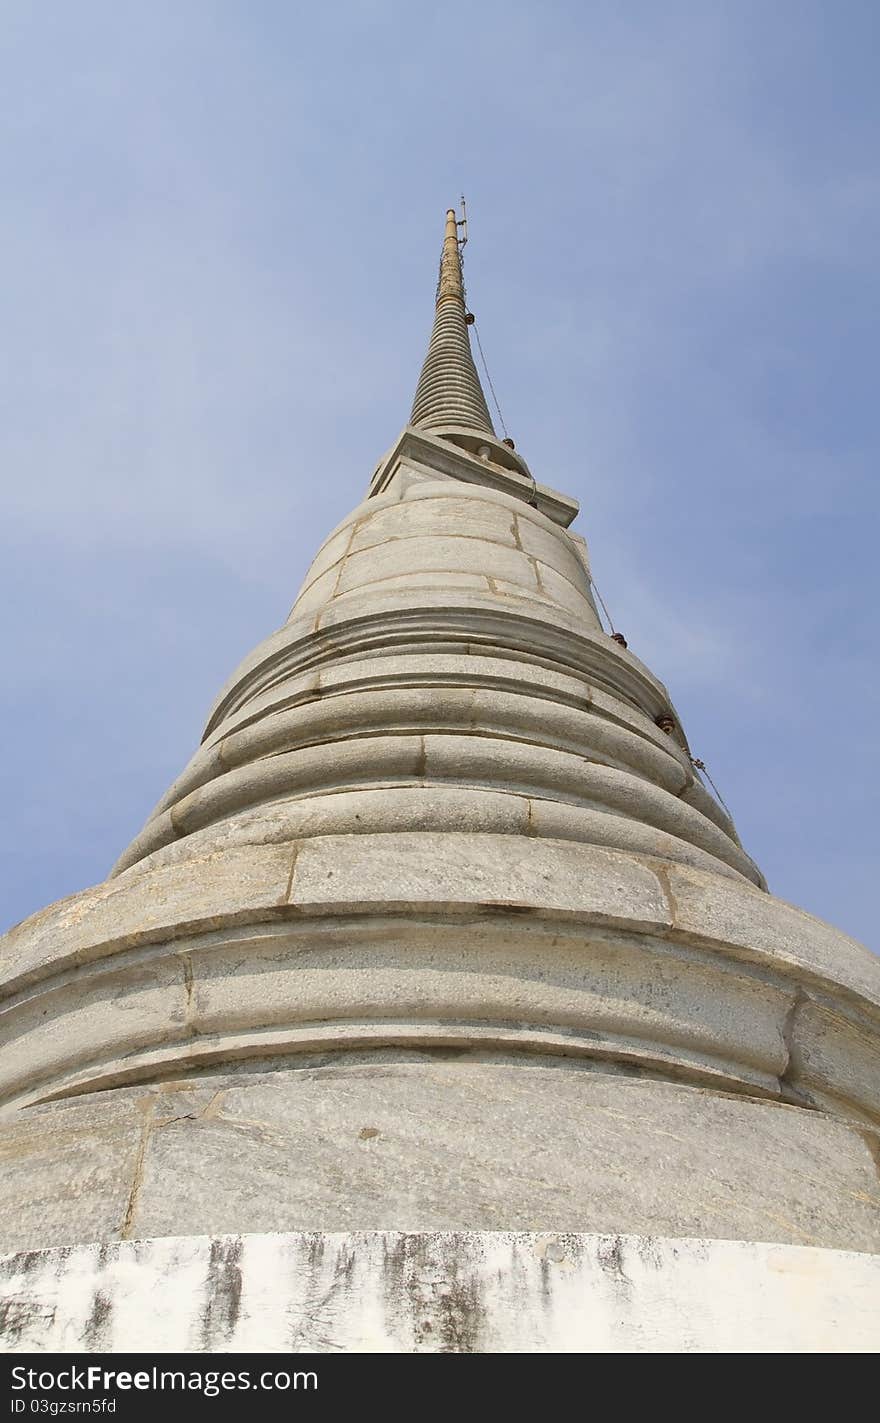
449	390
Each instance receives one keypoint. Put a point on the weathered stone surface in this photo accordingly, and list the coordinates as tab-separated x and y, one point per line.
440	487
375	600
479	625
445	555
69	1176
735	914
553	547
392	1292
452	453
525	599
421	869
365	811
444	517
480	984
512	942
433	1145
167	902
501	715
416	581
48	1034
624	714
568	592
560	775
438	808
308	770
616	832
834	1058
441	671
488	976
696	795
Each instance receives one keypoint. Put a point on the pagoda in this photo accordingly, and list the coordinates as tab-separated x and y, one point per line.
437	1006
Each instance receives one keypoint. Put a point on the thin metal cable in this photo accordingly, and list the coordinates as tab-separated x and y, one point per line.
489	379
602	601
701	766
698	765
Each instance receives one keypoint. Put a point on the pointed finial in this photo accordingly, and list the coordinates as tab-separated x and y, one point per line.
449	390
451	284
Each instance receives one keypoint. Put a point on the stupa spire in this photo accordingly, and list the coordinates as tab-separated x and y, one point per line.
449	390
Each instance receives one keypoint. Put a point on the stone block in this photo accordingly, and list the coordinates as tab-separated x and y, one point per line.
139	908
698	796
522	594
438	554
557	821
553	774
500	714
367	810
709	909
424	869
834	1057
433	489
433	578
433	1145
563	591
437	612
48	1034
551	546
67	1171
625	714
444	518
584	1153
363	760
158	832
483	980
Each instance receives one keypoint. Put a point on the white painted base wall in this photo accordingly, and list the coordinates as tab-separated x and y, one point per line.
392	1292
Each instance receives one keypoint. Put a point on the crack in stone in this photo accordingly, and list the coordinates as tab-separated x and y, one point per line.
421	766
788	1032
341	568
186	962
537	572
872	1142
137	1181
666	889
210	1111
289	890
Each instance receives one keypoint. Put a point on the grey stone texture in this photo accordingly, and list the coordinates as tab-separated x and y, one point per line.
451	940
415	1142
447	636
439	931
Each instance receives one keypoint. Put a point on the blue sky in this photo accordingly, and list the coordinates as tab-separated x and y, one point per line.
220	229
